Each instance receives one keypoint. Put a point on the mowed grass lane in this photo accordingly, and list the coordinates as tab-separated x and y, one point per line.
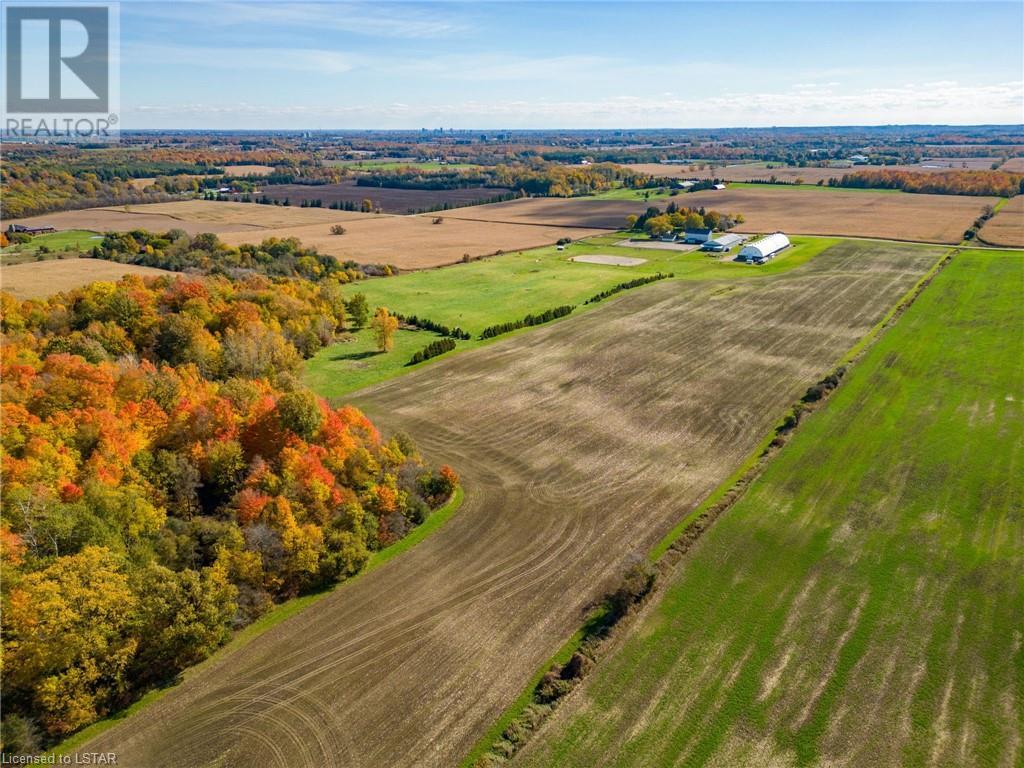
506	288
580	444
863	604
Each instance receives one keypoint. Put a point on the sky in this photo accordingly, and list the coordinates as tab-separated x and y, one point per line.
593	64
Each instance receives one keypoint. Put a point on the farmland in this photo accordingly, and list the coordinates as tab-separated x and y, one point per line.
506	288
677	381
413	242
408	242
862	604
44	278
1007	226
883	214
756	171
386	199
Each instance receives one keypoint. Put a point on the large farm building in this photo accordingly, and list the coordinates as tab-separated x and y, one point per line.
759	251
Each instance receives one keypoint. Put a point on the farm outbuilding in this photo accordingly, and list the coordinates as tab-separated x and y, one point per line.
722	243
697	235
763	249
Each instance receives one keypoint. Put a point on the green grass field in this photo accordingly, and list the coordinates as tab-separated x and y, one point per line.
505	288
863	603
72	239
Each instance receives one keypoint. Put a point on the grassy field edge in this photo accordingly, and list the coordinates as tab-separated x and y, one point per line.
268	621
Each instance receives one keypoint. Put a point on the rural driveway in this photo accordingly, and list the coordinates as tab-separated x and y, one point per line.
580	445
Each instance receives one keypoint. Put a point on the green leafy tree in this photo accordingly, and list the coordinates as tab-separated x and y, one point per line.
358	309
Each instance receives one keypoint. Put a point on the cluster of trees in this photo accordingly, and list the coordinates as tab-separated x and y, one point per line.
166	478
427	324
983	183
433	349
178	251
627	285
987	213
534	177
655	223
37	179
544	317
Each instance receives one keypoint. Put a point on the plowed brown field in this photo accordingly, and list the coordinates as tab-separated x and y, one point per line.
37	279
580	445
855	213
1007	226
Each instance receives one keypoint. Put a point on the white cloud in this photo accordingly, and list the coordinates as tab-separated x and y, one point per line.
935	102
291	59
386	20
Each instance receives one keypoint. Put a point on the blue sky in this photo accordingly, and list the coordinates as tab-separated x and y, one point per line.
568	65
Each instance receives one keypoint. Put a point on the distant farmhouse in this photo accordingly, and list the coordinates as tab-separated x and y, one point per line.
760	251
15	229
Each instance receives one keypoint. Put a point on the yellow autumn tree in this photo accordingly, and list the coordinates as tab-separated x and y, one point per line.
384	326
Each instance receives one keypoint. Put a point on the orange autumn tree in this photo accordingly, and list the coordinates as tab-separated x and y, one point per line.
166	479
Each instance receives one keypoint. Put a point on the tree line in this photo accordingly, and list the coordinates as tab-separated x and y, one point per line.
433	349
544	317
958	182
167	478
177	251
427	324
627	285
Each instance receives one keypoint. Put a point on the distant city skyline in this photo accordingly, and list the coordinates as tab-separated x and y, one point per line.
568	65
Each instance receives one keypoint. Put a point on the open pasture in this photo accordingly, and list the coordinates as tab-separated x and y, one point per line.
862	604
580	444
857	213
386	199
1007	226
1013	165
38	279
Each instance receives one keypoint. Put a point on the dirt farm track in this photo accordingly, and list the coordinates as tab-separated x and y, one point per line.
580	444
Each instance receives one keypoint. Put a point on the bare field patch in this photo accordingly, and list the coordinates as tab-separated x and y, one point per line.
1013	165
192	216
580	445
44	278
1007	226
555	211
415	242
248	170
615	261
